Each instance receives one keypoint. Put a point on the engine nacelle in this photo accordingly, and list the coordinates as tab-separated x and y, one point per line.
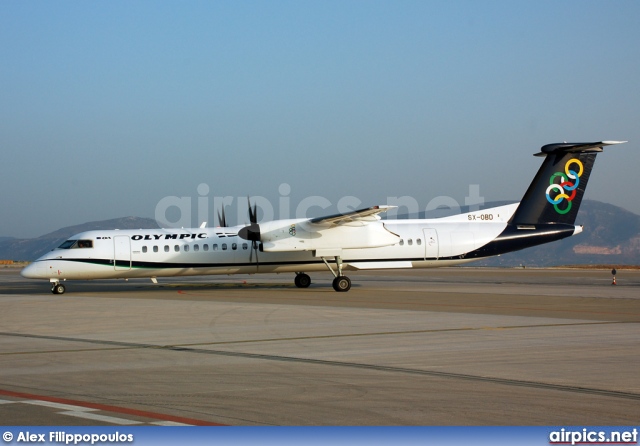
301	235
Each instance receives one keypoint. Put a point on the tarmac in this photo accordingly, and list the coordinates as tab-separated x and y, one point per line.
450	346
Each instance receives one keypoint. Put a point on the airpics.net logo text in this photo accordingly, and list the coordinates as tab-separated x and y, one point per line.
591	436
178	212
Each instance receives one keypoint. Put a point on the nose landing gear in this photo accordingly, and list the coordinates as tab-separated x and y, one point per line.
57	287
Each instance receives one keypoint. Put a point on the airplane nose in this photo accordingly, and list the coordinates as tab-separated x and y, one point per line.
29	271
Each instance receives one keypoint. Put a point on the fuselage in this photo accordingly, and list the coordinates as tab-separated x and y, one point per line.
202	251
108	254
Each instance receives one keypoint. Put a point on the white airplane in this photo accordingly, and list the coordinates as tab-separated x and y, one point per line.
358	240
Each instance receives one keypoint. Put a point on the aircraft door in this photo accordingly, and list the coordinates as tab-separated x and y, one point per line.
431	248
121	253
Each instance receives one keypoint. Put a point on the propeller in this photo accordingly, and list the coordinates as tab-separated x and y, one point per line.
222	219
251	232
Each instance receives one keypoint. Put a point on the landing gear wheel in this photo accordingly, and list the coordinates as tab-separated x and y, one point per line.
302	280
58	289
342	283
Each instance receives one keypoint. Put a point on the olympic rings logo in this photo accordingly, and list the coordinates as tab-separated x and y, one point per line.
292	230
566	190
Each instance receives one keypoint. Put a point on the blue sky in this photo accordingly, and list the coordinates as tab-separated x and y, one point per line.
107	107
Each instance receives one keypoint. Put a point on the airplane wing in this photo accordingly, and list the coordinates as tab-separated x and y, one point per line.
368	214
358	229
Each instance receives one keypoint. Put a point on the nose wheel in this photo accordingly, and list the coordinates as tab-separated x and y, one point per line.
58	288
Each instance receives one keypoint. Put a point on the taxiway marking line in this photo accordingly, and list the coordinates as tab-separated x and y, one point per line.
443	305
108	408
297	338
374	367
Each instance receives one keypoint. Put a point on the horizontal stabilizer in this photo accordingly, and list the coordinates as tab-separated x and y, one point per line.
575	147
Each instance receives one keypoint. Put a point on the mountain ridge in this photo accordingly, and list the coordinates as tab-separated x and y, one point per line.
31	249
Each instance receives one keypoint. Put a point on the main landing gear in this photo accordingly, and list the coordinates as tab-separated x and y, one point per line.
57	287
302	280
340	282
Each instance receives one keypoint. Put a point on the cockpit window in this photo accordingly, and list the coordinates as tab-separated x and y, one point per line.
68	244
73	244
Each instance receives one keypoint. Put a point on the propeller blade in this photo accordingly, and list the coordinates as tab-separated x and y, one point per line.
222	220
252	231
255	247
253	213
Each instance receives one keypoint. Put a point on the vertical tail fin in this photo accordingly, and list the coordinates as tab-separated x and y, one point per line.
556	192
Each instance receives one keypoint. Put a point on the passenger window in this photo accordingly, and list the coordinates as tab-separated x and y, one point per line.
410	242
196	248
166	248
205	247
245	246
186	248
155	249
224	246
401	242
176	248
234	246
214	247
144	249
419	241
